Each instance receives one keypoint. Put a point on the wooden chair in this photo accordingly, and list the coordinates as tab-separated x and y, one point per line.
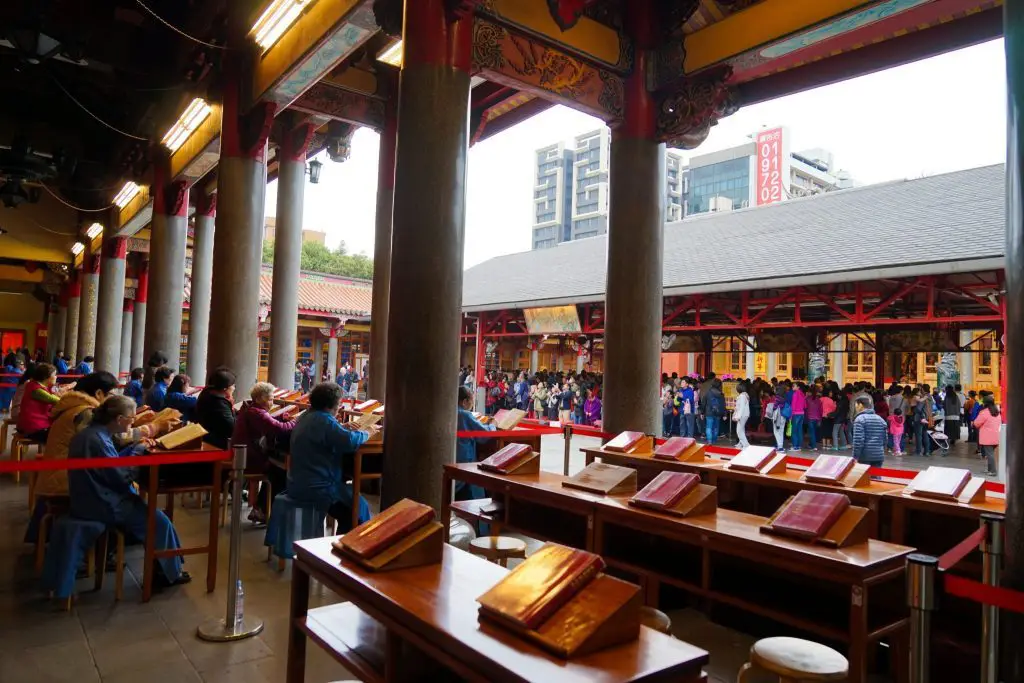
794	661
5	427
656	619
498	549
19	449
55	505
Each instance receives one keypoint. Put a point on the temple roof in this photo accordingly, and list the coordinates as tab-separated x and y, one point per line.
954	222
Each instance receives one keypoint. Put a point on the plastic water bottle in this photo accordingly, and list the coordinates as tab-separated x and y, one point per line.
239	605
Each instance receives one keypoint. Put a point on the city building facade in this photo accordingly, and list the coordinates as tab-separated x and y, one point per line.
572	189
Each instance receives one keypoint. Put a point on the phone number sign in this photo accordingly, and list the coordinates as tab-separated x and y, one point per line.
769	167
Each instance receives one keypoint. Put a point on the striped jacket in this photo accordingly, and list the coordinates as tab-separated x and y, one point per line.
869	436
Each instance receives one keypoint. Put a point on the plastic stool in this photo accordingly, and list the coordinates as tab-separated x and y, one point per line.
795	661
291	521
71	541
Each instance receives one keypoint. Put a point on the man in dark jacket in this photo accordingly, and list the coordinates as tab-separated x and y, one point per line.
869	433
213	408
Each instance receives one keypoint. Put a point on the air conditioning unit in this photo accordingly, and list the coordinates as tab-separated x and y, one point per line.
719	204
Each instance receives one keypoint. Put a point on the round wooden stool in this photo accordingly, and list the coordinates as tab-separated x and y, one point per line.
795	661
499	549
656	619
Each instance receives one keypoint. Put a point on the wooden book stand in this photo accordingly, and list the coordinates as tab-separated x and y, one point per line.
644	446
974	492
851	528
530	465
856	478
703	500
603	479
603	614
420	547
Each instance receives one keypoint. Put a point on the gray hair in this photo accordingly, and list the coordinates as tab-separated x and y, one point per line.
261	389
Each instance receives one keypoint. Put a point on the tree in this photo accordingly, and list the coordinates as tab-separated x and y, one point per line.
319	258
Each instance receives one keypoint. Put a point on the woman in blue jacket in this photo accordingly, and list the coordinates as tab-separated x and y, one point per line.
108	495
465	449
178	398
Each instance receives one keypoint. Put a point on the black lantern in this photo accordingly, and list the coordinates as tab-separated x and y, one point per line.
314	171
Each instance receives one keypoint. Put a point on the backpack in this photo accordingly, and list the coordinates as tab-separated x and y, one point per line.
770	412
716	405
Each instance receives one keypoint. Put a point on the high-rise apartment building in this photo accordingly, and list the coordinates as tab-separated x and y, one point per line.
572	189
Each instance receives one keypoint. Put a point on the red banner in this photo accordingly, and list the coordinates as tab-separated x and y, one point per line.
769	167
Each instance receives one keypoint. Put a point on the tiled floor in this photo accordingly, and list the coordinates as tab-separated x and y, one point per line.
130	642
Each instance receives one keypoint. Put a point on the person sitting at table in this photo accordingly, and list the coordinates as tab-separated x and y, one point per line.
72	414
213	407
262	435
15	367
465	449
178	398
84	367
134	387
60	363
157	393
38	399
108	495
157	360
319	444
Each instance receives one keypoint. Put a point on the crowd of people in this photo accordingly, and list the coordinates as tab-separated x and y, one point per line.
91	419
564	396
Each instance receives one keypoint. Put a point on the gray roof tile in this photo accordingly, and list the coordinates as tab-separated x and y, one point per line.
928	222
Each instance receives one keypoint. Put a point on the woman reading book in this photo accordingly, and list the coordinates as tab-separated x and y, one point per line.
465	450
261	434
108	495
320	447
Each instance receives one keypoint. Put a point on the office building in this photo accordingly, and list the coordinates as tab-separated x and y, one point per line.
571	189
759	172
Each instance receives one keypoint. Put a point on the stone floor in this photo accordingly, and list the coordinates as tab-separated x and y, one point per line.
130	642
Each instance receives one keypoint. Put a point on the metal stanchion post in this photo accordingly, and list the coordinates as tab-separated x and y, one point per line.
992	564
231	627
567	435
921	600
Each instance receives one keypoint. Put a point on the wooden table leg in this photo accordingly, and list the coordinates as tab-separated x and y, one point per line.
858	654
446	503
357	475
214	537
898	528
147	563
296	638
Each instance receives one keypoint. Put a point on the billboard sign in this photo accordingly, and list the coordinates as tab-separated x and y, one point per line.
552	320
771	158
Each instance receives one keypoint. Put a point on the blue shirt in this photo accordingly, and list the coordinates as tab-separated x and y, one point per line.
83	368
62	366
183	403
318	443
465	450
100	494
156	396
134	390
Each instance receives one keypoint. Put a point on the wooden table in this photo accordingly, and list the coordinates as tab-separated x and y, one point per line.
956	520
420	624
483	450
813	588
647	466
210	549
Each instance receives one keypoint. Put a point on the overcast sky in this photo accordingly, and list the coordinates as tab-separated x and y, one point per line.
934	116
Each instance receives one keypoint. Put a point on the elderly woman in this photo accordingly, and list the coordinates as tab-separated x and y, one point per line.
261	434
108	495
319	444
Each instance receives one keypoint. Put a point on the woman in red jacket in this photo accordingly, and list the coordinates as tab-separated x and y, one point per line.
38	399
261	434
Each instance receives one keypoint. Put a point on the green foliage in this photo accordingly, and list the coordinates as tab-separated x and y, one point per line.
318	258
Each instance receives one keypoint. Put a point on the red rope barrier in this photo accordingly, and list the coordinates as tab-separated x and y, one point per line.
43	464
478	433
1003	598
961	549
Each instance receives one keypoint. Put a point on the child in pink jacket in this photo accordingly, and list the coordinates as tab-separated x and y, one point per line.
896	431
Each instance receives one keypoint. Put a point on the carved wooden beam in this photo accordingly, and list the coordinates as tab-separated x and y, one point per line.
520	61
340	104
686	114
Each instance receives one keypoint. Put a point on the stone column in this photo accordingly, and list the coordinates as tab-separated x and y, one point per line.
168	245
51	322
838	359
71	329
238	239
127	317
965	359
377	381
749	357
139	317
1013	409
199	292
60	322
429	218
332	358
636	220
284	299
111	302
87	306
534	358
579	363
